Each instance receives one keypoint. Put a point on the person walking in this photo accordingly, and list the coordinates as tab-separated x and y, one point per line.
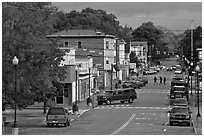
160	80
155	80
164	79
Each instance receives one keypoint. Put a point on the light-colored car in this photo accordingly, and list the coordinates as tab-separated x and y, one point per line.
178	71
57	116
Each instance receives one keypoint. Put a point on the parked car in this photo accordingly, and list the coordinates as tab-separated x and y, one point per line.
132	84
150	72
169	68
57	116
180	115
144	79
178	71
180	102
123	95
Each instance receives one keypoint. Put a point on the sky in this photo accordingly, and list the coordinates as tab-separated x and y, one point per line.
176	16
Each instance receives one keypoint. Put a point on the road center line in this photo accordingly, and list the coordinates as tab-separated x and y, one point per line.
118	130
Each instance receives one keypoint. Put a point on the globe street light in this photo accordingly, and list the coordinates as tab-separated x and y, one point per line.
15	63
197	69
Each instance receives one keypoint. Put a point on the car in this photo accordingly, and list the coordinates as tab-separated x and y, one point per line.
180	102
180	115
178	71
57	116
132	84
144	79
174	67
169	68
123	95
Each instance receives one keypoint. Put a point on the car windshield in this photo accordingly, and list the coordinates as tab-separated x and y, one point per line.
179	89
177	78
109	92
56	111
179	110
182	101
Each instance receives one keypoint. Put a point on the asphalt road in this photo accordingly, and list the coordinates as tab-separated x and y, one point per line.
145	116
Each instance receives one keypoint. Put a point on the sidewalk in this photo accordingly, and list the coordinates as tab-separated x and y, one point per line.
197	121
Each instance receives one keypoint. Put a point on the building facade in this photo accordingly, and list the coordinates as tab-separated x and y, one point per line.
141	50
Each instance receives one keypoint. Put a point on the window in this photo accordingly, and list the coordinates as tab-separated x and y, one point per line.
80	65
79	44
66	43
107	61
119	92
59	100
107	44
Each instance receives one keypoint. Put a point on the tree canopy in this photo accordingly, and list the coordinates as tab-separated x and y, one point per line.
24	30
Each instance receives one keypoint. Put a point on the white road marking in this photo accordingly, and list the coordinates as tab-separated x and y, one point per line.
118	130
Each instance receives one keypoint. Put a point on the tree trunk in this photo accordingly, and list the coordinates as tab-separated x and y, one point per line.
44	107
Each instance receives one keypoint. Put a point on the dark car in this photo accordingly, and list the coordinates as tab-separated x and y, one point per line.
144	79
180	102
131	84
57	116
122	95
180	115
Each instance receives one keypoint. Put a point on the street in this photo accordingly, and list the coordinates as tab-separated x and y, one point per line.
147	115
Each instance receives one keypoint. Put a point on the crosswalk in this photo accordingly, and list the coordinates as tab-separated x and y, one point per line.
128	107
153	91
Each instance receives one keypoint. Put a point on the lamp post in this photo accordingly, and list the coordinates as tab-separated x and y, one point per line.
15	129
197	69
76	70
111	77
191	78
89	67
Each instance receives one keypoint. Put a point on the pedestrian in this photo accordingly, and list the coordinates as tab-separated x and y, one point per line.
155	80
164	80
160	80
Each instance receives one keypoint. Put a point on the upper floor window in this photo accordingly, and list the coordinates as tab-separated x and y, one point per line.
79	44
107	44
107	61
66	43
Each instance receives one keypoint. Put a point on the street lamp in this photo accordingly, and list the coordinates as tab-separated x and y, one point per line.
89	67
191	78
15	129
111	77
76	69
197	69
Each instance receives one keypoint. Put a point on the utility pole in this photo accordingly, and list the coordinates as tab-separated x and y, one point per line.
191	53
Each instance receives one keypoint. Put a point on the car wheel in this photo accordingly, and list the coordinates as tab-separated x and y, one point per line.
65	124
108	102
170	123
122	101
188	124
100	102
130	100
68	123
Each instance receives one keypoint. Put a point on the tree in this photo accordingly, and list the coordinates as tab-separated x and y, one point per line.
152	34
24	30
92	19
185	43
